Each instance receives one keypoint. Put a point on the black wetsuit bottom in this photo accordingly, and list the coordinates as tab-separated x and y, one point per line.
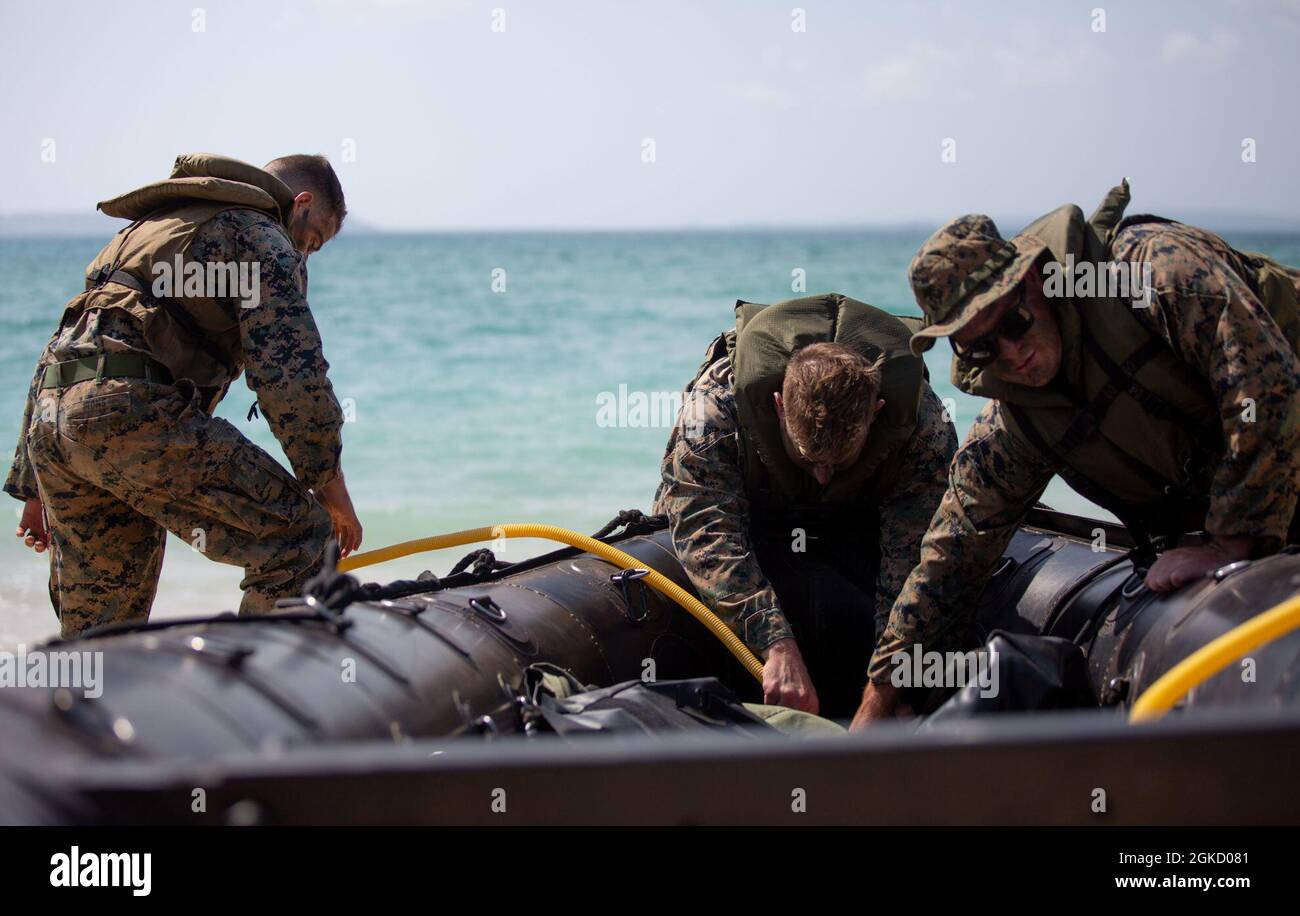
828	594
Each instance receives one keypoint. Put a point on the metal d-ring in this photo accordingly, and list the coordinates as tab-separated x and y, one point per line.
489	608
1135	586
624	579
1007	563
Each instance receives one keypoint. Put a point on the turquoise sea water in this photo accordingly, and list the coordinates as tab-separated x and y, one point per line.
474	405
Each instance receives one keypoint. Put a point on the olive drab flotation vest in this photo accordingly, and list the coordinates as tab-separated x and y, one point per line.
760	347
1130	425
196	337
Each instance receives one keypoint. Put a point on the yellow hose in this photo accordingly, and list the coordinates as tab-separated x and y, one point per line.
656	580
1213	657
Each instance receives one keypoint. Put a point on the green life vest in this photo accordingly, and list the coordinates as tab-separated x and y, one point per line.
1129	424
760	347
196	337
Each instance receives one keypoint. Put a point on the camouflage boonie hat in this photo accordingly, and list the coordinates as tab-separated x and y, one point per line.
963	269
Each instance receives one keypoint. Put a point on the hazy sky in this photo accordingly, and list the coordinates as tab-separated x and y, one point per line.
456	125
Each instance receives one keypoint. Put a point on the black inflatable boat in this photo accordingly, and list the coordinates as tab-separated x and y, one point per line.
415	702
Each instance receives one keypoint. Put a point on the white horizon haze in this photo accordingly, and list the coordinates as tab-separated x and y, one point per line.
517	116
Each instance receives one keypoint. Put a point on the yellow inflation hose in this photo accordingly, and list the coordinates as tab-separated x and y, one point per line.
656	580
1213	657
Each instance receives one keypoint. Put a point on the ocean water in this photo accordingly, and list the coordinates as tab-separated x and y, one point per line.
473	368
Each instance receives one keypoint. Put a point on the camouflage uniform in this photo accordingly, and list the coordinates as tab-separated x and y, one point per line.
703	494
1209	315
119	461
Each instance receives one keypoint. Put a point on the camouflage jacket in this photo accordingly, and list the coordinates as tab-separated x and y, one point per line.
703	495
1215	323
281	358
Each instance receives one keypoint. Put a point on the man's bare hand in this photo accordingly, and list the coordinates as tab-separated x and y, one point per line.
1176	568
31	527
347	527
879	701
785	679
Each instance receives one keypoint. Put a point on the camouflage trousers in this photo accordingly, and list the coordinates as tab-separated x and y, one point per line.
120	462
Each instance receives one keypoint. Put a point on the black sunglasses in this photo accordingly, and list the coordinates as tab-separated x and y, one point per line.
1013	326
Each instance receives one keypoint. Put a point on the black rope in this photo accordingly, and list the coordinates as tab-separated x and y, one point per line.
335	591
481	564
400	588
635	521
329	592
484	561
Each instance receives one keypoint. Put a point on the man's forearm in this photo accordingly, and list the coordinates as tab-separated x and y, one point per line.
703	495
313	445
992	482
296	396
711	541
284	360
1254	490
939	596
1217	324
906	514
721	566
20	483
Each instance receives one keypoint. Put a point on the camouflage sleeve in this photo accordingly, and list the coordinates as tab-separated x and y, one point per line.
703	496
283	357
992	482
1215	322
21	480
906	512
